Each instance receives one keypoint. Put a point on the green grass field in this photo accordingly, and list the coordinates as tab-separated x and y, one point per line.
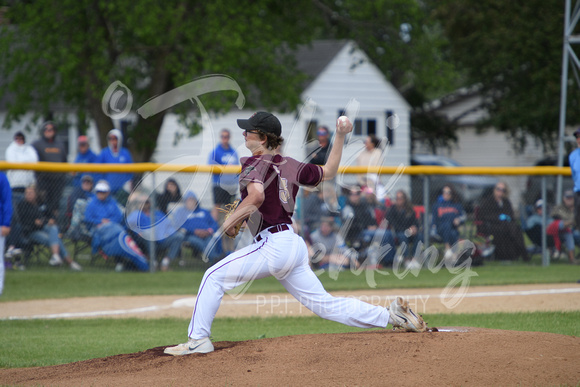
27	343
62	283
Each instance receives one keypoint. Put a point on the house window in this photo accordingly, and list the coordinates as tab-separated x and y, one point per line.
363	126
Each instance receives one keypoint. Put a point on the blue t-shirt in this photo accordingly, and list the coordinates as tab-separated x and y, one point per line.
223	156
88	157
116	180
575	167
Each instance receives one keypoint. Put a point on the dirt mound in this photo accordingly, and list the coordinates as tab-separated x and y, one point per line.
452	356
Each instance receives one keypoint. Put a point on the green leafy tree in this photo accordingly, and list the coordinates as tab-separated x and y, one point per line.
513	49
409	46
69	51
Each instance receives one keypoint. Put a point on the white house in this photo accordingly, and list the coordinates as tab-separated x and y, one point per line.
342	81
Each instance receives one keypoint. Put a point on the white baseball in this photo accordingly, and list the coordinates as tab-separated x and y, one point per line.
343	121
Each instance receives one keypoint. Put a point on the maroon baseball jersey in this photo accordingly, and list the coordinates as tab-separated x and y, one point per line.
281	177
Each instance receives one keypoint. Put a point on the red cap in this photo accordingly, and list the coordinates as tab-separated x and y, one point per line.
83	139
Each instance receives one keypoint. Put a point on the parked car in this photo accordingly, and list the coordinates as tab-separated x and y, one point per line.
533	190
470	188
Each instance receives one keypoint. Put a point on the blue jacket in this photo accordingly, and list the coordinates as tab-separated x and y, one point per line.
5	201
140	223
98	210
199	218
444	212
116	180
88	157
223	156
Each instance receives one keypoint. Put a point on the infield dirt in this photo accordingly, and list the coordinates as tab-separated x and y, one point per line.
451	356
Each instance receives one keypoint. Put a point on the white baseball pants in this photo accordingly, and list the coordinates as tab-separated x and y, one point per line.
283	255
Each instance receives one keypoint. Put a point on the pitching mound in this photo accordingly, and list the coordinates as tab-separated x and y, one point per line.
452	356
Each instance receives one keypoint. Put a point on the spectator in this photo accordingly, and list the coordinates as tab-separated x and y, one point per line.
316	207
327	248
370	156
84	156
20	152
85	191
171	196
5	219
363	224
402	225
115	153
103	217
50	185
497	217
320	154
562	226
198	226
166	237
533	227
225	185
574	159
447	216
40	227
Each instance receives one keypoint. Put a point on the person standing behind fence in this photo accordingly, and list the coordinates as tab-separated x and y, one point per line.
84	156
320	154
5	219
574	159
225	186
115	153
20	152
50	185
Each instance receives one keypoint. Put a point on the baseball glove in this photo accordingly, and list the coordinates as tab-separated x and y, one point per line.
229	210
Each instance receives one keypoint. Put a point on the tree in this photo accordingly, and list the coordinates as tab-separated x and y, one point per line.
70	51
409	46
514	50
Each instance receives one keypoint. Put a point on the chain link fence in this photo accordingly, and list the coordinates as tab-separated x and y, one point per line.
166	217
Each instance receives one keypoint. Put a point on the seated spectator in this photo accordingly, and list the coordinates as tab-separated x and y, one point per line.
317	206
402	226
103	218
327	248
171	196
85	191
115	153
363	224
447	216
199	227
84	155
533	227
166	237
39	227
497	218
561	227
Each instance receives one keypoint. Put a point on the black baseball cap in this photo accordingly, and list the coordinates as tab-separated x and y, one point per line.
577	133
262	121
